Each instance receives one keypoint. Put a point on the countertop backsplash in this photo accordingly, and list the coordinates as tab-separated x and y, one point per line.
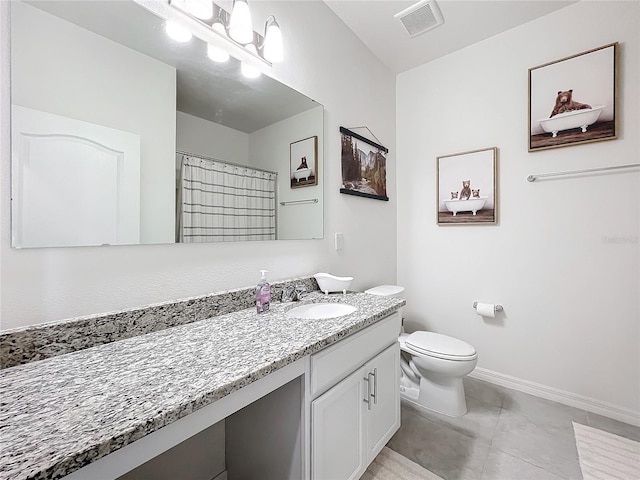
38	342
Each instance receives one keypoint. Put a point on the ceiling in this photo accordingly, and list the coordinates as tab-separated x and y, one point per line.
465	22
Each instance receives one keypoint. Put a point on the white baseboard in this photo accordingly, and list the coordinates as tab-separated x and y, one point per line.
561	396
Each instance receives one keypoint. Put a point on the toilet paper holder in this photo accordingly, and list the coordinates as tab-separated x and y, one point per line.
497	307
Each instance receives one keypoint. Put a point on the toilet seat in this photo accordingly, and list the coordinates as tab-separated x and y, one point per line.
440	346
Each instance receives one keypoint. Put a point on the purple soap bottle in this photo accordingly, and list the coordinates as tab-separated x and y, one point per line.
263	293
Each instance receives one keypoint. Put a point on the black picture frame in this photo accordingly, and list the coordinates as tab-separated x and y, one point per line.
364	173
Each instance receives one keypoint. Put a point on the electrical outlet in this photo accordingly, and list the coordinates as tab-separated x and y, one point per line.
339	241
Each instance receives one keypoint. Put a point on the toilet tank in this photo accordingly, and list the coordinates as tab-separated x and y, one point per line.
390	291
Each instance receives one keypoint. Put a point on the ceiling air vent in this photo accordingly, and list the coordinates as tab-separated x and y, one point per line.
421	17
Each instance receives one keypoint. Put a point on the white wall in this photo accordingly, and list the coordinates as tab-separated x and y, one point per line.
84	76
564	258
202	137
341	73
270	149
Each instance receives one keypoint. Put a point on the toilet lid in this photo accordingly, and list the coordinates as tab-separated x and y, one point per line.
385	290
440	346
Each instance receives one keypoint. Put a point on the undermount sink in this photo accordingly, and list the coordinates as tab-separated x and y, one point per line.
320	311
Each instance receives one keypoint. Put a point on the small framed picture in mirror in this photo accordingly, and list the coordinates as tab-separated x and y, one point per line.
304	162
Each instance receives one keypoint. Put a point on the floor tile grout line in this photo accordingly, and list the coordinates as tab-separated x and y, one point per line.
495	427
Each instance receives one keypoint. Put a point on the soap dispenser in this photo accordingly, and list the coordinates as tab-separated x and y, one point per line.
263	293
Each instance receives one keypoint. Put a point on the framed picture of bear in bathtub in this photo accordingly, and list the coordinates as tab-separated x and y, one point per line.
466	190
573	100
304	162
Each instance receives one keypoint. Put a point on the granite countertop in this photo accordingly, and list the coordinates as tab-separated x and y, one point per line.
59	414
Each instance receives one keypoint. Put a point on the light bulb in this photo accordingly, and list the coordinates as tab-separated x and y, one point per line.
177	32
202	9
249	71
217	54
240	25
273	51
218	26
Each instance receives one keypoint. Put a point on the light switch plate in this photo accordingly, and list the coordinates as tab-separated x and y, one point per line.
339	241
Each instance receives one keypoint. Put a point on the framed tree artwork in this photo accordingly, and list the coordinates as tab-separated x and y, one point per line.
364	166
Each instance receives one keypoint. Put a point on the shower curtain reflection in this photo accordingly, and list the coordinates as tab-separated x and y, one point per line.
223	202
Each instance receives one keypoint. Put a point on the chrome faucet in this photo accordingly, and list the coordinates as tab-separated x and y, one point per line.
293	293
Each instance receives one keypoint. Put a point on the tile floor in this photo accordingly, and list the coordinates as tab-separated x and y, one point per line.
506	435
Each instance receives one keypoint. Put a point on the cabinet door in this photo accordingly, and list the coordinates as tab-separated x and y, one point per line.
337	437
382	419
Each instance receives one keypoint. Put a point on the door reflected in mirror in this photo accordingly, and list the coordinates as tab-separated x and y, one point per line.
122	136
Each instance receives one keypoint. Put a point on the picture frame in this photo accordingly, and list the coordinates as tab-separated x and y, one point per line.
467	188
303	160
574	100
364	166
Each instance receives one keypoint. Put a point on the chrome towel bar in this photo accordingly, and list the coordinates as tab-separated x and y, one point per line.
298	202
534	177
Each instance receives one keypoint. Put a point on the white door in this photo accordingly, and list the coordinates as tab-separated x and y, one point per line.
73	182
337	437
382	420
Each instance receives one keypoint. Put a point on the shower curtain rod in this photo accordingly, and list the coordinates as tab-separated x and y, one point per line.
180	152
534	177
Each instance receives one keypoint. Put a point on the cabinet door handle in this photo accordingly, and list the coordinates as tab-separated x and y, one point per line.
375	386
368	399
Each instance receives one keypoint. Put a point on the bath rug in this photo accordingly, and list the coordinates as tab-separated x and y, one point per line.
389	465
605	456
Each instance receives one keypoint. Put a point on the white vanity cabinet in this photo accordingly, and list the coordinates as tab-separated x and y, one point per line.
355	407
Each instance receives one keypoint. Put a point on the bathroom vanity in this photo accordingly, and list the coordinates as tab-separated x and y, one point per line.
311	399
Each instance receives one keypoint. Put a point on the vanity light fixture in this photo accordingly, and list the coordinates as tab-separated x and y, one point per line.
228	34
214	52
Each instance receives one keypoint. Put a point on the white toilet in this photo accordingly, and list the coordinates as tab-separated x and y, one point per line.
433	366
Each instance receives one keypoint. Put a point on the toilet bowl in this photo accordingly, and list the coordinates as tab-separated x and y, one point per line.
432	366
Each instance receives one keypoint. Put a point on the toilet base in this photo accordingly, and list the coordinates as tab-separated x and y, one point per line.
409	390
444	395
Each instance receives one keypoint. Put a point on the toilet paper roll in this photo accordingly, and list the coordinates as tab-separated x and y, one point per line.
486	310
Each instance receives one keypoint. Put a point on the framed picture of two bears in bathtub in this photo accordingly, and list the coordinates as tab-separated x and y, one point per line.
467	191
573	100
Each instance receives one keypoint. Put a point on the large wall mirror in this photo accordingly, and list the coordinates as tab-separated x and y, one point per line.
120	135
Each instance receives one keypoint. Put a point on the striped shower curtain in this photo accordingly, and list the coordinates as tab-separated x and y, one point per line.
222	202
